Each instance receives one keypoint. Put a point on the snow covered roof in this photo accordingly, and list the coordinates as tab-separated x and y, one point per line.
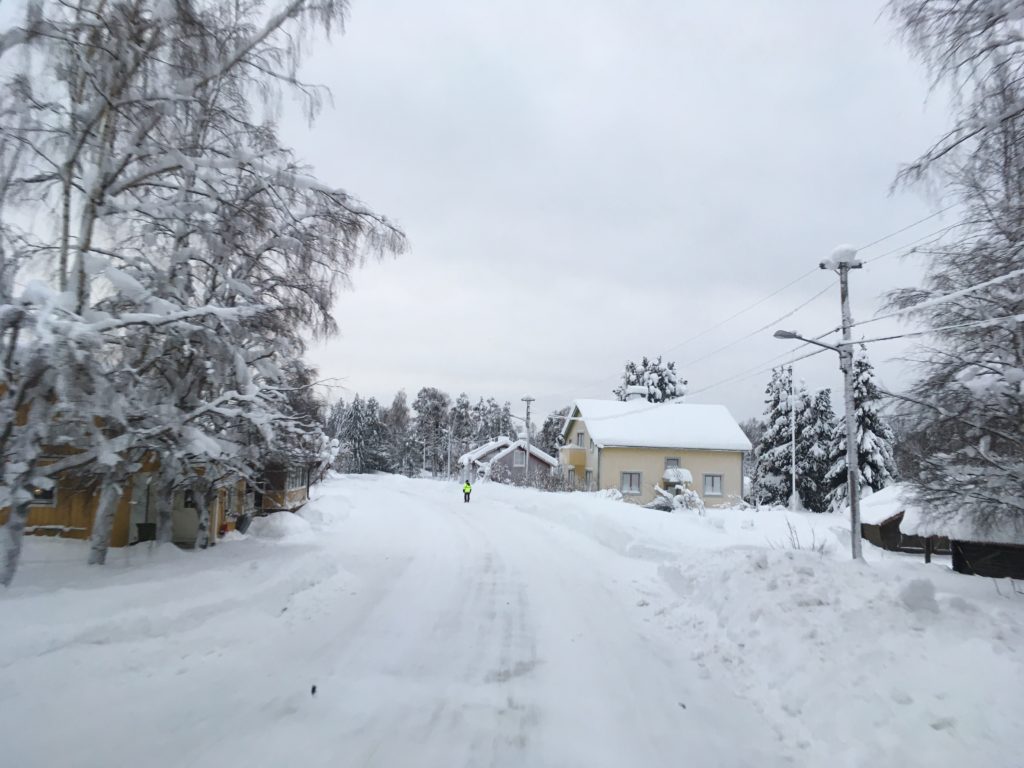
534	451
641	424
882	505
494	445
961	527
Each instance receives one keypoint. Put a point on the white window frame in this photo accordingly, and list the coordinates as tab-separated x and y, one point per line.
629	491
588	479
572	477
675	459
519	458
721	485
579	439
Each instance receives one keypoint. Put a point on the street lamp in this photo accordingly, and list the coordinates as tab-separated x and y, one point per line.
852	460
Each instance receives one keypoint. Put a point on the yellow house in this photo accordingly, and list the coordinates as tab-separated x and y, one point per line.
284	487
69	508
630	445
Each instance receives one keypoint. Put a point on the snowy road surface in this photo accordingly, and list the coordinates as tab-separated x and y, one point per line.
514	631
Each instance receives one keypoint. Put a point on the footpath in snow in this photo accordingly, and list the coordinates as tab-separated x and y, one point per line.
522	629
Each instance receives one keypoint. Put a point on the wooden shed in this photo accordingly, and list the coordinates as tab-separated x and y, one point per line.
987	558
993	551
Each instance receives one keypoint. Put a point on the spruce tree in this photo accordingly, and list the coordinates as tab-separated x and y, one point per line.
462	426
874	440
431	406
364	437
773	475
658	381
816	422
550	438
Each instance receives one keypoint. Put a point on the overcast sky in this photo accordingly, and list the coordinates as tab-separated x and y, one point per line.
584	182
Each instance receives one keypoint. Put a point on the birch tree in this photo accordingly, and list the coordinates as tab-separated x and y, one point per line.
192	255
969	399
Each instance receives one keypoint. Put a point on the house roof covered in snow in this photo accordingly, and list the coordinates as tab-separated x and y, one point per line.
640	424
962	527
521	445
476	454
882	505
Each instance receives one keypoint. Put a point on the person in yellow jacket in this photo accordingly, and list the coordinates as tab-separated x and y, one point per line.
466	490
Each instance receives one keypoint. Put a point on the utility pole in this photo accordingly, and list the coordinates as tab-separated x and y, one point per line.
448	468
843	260
528	400
792	440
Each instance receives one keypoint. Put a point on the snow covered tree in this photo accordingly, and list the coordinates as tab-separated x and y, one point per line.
186	282
773	474
653	380
462	427
363	437
493	420
753	429
431	406
968	406
874	440
550	438
405	456
815	426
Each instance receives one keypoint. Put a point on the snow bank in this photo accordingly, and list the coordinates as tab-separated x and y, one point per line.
287	527
873	663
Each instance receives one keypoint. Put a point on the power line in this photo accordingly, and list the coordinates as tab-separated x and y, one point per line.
749	374
743	311
791	283
943	298
913	243
909	226
972	324
763	328
802	277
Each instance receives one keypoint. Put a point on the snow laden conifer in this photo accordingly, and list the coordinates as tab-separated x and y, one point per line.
363	437
550	438
404	454
492	420
432	406
815	426
773	474
874	440
653	380
462	425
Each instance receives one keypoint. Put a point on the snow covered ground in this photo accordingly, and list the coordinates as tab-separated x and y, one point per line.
523	629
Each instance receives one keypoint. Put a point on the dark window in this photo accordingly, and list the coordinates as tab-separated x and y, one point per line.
44	497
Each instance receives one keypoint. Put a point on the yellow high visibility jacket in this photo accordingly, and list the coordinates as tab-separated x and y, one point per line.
467	488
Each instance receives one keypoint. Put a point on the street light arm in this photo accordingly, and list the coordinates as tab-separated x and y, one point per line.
797	336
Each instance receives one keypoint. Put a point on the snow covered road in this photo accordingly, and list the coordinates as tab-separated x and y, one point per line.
517	630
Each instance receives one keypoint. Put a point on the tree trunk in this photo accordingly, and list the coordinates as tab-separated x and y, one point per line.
204	494
103	524
165	506
15	531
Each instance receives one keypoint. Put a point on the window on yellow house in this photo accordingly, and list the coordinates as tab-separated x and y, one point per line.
44	497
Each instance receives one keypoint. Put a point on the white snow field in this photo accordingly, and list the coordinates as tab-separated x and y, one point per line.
522	629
